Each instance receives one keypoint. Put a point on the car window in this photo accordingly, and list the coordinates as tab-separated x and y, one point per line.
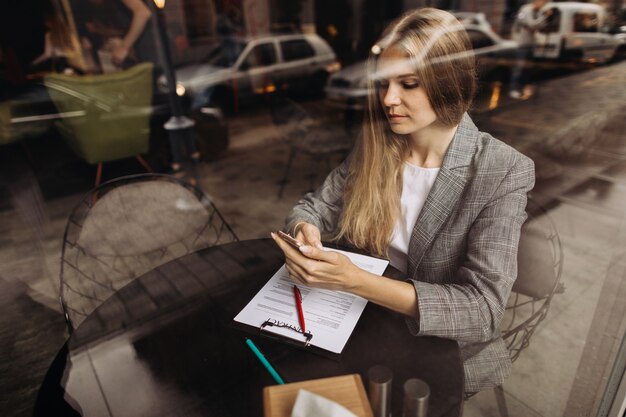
586	22
553	22
260	56
226	54
296	49
479	39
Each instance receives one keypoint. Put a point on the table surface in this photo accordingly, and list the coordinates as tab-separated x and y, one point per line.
165	344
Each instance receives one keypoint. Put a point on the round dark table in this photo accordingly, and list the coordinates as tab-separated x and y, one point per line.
165	345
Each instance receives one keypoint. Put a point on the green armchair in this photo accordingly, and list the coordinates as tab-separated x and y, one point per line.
105	117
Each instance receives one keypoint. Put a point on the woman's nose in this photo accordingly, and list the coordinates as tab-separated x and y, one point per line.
391	98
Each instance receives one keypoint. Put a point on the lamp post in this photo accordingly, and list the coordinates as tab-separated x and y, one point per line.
179	126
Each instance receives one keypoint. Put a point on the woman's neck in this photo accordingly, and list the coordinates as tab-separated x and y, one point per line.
428	147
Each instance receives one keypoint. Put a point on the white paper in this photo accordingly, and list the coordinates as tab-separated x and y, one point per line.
330	316
309	404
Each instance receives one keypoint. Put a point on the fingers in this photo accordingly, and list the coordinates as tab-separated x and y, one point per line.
314	267
295	273
284	246
319	254
120	52
310	235
313	241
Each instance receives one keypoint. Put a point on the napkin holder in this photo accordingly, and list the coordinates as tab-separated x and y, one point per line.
347	390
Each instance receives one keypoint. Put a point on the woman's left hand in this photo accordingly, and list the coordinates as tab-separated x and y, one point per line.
319	268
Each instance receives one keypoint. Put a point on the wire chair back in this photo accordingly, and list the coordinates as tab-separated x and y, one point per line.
540	265
126	227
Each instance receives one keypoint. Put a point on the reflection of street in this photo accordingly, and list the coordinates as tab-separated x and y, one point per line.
572	128
493	92
584	191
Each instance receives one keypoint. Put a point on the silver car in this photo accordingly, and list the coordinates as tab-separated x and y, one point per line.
242	68
347	89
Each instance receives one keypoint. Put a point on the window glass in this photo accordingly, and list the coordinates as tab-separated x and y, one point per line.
586	22
226	54
77	85
553	22
260	56
296	49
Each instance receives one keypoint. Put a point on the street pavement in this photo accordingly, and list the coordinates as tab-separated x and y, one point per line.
570	123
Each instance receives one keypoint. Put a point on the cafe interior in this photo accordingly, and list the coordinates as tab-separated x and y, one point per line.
149	148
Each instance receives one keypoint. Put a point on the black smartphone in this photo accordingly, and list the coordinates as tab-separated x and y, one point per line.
289	239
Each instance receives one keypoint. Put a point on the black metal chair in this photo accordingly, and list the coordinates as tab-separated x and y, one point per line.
127	227
316	139
540	264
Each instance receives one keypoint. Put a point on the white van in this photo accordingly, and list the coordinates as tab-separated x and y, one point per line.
574	32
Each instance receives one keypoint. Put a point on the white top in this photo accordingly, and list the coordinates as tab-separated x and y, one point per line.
416	184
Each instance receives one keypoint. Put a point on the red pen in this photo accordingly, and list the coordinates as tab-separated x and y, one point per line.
298	296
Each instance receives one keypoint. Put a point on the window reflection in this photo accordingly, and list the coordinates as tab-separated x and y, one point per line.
226	55
237	60
586	22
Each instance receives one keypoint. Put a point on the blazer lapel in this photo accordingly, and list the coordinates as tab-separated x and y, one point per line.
445	193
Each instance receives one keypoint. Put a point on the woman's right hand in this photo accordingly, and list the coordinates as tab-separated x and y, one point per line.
309	234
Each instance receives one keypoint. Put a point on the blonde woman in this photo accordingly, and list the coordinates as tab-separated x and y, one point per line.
425	188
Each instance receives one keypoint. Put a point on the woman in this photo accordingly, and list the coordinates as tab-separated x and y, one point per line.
424	187
61	48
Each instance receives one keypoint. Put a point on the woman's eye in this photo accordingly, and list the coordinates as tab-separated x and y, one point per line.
409	85
381	84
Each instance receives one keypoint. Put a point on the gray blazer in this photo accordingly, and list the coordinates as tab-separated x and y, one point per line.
462	255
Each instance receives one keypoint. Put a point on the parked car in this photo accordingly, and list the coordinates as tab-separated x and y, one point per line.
242	68
574	31
347	89
472	19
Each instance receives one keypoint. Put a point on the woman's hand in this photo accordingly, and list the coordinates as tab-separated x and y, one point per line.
318	268
308	234
119	54
331	270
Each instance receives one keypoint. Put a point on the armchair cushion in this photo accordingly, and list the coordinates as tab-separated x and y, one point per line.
105	117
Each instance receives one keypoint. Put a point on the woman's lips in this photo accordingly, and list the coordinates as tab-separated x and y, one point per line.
396	117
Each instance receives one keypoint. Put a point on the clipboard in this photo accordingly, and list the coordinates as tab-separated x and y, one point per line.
303	344
270	324
331	316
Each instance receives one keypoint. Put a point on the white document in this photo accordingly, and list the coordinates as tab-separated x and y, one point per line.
330	316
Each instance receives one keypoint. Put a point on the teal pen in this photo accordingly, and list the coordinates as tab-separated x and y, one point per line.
265	362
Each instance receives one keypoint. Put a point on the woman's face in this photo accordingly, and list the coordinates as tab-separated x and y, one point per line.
403	97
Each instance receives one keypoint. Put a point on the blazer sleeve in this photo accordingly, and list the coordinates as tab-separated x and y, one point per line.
470	309
323	206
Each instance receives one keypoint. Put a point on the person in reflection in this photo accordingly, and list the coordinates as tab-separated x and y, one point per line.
425	188
529	19
116	32
61	48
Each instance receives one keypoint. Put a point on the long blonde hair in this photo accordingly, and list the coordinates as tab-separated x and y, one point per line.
439	49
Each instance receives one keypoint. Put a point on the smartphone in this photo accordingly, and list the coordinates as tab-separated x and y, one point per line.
287	238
